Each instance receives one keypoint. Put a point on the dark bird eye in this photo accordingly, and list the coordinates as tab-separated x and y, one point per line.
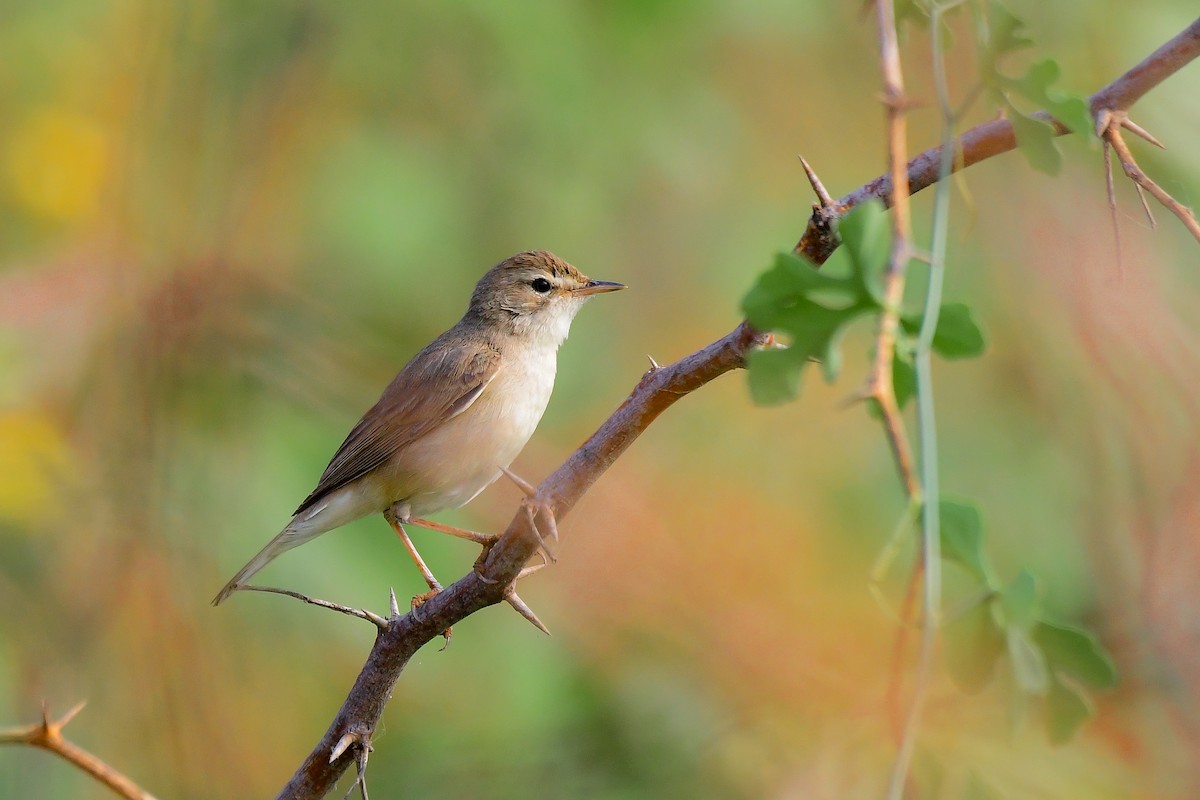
540	285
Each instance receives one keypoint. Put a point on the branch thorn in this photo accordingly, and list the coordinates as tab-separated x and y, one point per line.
513	599
822	193
342	745
1138	130
522	484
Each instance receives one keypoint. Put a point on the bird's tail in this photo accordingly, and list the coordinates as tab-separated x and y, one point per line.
287	538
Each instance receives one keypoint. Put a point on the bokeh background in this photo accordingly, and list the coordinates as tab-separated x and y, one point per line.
224	226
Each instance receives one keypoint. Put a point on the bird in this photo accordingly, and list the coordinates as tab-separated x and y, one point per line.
455	417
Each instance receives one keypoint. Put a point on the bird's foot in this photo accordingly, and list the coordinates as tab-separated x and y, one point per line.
420	600
393	519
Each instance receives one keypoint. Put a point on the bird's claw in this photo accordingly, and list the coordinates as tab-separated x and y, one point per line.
420	600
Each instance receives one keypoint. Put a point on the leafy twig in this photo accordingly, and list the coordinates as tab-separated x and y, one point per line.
996	136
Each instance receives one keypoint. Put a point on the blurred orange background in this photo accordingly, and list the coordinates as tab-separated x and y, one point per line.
223	228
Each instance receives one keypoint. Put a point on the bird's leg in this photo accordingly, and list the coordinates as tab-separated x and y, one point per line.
485	539
394	519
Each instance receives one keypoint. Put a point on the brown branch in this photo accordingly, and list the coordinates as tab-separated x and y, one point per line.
996	136
1110	124
360	613
879	382
489	584
880	386
659	388
48	735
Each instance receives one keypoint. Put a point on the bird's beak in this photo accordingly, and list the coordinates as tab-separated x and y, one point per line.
597	287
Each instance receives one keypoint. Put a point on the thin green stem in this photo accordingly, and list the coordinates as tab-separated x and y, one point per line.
931	556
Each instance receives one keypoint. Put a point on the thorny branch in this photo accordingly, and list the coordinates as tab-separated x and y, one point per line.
1108	126
659	388
490	582
995	137
48	735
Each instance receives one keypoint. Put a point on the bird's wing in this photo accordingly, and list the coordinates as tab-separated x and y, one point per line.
410	408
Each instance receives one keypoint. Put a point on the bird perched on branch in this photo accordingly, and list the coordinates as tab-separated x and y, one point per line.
455	417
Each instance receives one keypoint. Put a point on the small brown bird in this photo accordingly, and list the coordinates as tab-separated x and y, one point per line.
456	415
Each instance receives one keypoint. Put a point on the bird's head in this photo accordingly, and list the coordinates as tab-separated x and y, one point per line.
534	295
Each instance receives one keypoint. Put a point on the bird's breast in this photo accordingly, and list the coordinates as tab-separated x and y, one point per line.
463	456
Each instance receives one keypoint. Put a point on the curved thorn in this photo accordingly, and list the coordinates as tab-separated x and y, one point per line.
550	521
527	571
1146	206
513	599
70	715
822	193
1138	130
342	746
537	534
522	484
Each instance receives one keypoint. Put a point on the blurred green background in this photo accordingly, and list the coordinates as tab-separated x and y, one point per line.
225	225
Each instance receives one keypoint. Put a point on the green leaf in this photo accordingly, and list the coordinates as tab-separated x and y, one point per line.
1006	33
962	538
1036	85
1076	652
911	11
774	376
1066	709
789	280
958	334
812	309
831	356
904	376
1028	662
1019	601
1074	111
814	328
864	234
1036	140
973	644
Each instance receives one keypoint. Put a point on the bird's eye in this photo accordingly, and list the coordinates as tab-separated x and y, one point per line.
540	285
